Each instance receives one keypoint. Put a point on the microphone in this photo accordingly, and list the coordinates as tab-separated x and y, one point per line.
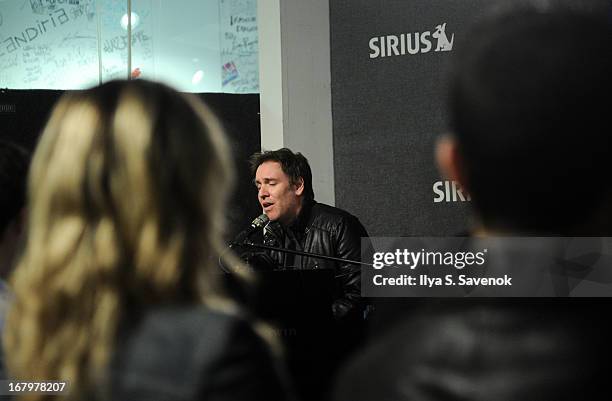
256	224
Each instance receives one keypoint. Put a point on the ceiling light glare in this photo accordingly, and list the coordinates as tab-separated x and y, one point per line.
197	77
135	21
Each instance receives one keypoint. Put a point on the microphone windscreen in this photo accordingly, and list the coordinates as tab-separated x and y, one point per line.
260	221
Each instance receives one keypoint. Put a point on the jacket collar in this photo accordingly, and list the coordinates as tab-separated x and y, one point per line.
300	224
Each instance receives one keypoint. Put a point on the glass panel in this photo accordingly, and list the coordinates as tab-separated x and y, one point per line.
114	38
193	45
186	44
239	46
48	44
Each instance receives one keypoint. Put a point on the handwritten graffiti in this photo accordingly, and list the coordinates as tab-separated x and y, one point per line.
120	42
83	9
15	42
235	20
46	6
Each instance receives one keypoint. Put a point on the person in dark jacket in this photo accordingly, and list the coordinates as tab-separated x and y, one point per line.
117	291
529	93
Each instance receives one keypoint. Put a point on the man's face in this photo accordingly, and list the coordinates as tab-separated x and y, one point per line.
278	198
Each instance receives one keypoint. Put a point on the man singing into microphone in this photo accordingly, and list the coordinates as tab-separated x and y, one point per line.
294	221
298	222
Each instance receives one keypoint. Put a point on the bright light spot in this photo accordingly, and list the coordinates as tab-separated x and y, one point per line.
197	77
135	21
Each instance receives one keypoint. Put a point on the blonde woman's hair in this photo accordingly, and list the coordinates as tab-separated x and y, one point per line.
125	195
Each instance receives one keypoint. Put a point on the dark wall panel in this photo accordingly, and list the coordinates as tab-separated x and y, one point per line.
240	117
388	110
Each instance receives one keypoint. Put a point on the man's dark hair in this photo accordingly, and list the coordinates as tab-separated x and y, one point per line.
530	106
294	165
14	162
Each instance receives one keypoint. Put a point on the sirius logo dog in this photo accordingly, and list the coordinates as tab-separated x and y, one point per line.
410	43
443	42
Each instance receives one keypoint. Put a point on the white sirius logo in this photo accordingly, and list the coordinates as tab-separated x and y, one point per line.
411	43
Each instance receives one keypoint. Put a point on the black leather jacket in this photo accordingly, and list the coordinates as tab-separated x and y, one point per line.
325	230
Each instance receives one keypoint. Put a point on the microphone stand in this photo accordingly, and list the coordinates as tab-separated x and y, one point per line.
250	244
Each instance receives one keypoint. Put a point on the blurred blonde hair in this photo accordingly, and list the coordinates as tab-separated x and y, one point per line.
126	191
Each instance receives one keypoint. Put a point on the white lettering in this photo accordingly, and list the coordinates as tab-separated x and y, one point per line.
426	42
438	192
374	47
392	42
452	192
485	281
416	257
404	279
389	259
377	261
413	49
